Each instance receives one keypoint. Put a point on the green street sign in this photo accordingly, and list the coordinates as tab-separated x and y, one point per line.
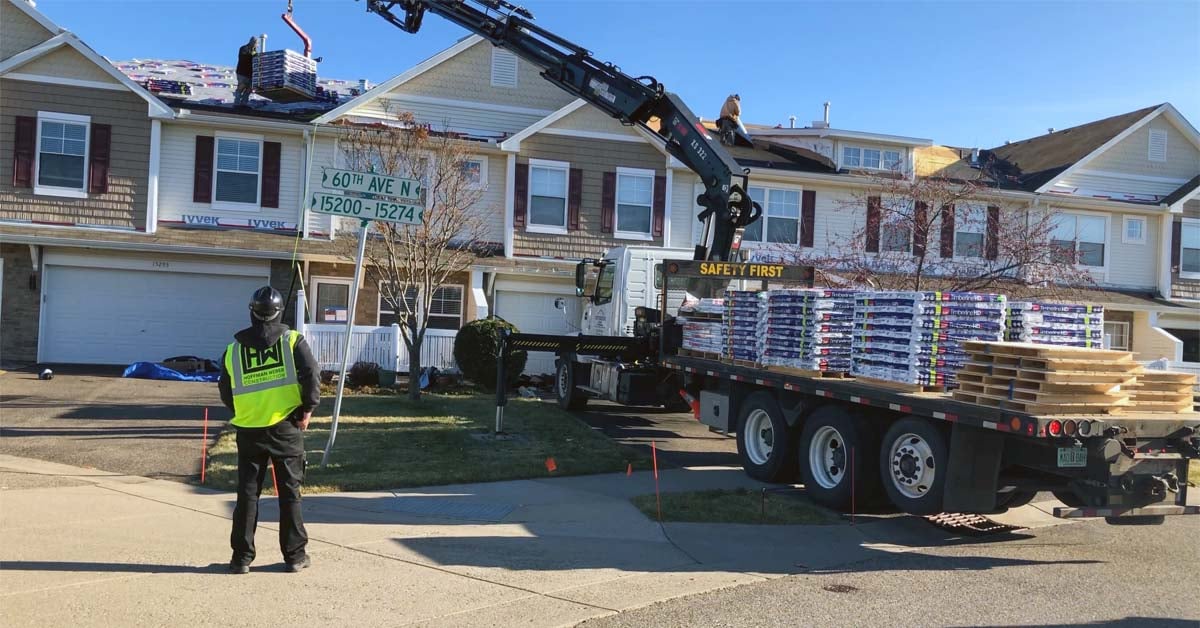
370	183
367	208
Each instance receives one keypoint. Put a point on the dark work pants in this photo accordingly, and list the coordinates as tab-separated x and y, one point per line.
283	445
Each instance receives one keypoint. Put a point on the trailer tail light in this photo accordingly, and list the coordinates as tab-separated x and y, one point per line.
1085	428
1069	427
1055	428
1015	424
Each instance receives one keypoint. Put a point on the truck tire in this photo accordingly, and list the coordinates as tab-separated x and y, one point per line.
765	442
570	397
837	458
1014	499
913	465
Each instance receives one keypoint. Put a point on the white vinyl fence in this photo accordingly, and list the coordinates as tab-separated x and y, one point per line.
381	345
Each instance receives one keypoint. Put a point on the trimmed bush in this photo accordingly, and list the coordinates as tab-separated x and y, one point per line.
363	374
475	352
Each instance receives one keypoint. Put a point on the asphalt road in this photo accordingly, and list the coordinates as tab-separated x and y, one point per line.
102	421
1079	574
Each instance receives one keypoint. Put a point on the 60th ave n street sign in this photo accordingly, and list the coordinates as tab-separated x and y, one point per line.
370	183
367	208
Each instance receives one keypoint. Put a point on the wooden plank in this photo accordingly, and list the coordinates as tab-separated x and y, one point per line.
1175	387
1151	375
1040	397
1170	408
787	370
1139	393
1031	350
901	386
1067	377
1046	386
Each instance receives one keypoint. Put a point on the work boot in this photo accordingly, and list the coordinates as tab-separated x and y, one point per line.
238	568
303	563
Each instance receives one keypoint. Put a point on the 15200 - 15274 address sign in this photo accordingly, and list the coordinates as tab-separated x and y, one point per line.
367	209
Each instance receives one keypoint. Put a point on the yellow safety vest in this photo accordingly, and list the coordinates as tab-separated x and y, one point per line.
263	381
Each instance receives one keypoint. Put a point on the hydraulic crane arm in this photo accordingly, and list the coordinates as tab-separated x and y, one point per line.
642	101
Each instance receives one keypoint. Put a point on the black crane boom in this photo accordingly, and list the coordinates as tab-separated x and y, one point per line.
642	101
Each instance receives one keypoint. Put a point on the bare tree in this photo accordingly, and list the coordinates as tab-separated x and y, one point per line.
931	233
411	263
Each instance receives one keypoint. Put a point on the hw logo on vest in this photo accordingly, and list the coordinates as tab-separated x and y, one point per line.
263	365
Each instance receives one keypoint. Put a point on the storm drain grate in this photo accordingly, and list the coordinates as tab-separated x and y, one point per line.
975	525
451	508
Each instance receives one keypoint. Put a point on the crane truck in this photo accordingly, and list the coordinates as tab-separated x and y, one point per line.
844	439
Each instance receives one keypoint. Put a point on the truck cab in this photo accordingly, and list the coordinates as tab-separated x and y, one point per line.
614	288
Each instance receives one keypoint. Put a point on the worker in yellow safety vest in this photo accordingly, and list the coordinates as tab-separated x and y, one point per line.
272	383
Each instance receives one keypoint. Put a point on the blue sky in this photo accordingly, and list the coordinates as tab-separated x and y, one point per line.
960	73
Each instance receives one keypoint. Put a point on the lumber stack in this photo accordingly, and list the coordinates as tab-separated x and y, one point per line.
1046	379
1163	391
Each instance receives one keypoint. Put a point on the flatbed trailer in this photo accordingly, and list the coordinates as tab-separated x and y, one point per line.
978	459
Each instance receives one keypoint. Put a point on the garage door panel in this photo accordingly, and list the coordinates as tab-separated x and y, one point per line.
119	316
534	313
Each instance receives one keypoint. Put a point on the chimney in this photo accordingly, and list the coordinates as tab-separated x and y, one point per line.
262	42
826	119
1050	130
791	122
822	124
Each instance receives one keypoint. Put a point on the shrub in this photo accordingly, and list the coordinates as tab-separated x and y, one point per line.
475	352
363	374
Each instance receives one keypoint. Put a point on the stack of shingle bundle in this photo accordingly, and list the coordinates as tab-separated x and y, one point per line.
744	310
704	328
1061	324
285	70
165	86
914	338
807	329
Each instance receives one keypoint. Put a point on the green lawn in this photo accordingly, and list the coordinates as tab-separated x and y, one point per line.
737	506
391	442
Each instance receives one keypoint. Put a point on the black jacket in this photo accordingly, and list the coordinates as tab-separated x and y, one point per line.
245	64
262	335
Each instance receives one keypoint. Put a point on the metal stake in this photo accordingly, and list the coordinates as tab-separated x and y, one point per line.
337	403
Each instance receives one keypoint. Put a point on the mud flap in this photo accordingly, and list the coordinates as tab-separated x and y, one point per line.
971	482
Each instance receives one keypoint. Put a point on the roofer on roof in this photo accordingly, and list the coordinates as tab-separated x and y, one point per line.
245	70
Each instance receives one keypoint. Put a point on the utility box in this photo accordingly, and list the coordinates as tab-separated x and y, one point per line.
285	76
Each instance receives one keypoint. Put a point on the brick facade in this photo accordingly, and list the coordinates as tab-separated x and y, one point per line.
21	307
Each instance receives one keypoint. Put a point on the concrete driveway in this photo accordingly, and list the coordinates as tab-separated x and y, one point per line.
97	419
680	439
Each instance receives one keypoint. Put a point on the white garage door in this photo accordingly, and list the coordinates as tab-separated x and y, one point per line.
534	313
120	316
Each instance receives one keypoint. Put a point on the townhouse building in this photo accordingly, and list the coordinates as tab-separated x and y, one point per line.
156	216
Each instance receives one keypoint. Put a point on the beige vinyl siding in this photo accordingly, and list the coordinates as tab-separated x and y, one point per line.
588	118
1131	155
177	171
685	228
491	203
124	205
66	62
1149	342
594	157
18	31
324	156
1133	265
468	76
476	118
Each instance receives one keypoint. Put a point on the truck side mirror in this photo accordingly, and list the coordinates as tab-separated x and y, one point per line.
580	278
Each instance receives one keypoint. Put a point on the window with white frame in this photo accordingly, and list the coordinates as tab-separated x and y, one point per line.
238	169
635	201
548	196
871	158
1080	238
1133	230
62	151
1189	248
970	231
475	171
330	300
445	307
780	218
1116	335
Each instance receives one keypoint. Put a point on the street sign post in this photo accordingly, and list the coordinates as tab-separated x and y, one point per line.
366	209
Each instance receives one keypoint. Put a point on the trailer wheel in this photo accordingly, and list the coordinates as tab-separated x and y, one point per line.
765	442
569	395
1014	499
838	463
913	466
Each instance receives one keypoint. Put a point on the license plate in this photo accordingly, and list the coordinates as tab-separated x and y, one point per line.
1072	456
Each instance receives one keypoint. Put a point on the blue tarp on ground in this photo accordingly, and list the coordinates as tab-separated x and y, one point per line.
152	370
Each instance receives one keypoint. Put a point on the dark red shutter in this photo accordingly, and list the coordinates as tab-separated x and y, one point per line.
660	206
574	198
808	216
98	158
520	195
270	174
202	175
920	228
947	231
873	211
992	239
1176	245
608	202
24	144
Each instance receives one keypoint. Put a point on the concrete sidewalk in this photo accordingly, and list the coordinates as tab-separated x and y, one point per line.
100	549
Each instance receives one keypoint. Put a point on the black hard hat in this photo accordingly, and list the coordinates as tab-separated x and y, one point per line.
266	304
